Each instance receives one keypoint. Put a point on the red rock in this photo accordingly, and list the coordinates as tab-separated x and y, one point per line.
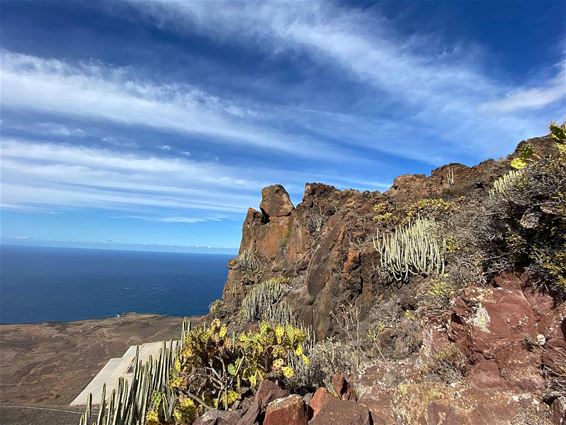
319	399
437	413
342	412
558	408
343	388
339	383
218	417
352	260
510	280
266	393
275	201
380	405
490	325
290	410
269	391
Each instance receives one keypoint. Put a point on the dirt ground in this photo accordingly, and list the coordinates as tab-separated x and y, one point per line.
44	366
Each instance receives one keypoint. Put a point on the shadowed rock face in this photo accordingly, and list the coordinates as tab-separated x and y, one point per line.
313	245
322	244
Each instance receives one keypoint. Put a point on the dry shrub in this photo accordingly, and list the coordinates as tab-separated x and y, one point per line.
345	352
464	248
391	332
531	416
331	356
435	296
555	374
447	365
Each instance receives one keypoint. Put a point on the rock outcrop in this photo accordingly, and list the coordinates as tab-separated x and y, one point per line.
509	333
321	245
285	411
266	393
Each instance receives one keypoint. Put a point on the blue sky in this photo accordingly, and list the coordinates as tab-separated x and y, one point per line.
157	123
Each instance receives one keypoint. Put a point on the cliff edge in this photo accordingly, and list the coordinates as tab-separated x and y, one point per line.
480	339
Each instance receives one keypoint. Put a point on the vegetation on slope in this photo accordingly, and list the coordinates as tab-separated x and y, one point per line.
429	253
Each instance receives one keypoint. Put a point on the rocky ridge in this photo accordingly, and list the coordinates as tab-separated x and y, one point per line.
499	336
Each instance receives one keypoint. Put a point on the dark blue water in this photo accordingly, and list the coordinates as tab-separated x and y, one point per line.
64	284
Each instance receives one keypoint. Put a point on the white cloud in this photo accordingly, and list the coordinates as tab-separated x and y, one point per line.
112	94
176	219
44	174
182	220
49	177
440	85
530	97
47	129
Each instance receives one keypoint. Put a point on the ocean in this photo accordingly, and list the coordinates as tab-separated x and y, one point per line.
39	284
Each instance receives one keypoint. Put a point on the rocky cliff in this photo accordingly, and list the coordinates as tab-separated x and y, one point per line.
324	244
481	343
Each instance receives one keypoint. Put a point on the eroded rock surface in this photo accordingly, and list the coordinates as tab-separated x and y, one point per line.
509	333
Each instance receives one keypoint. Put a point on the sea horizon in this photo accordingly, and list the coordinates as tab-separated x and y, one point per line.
117	246
63	284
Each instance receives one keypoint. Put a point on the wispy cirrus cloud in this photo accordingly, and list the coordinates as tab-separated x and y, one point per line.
47	128
176	219
98	92
54	175
440	86
45	176
533	97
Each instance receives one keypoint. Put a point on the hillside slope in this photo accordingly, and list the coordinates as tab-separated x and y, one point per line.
482	340
440	301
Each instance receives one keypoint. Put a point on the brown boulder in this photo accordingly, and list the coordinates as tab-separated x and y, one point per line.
218	417
342	412
275	201
343	388
319	400
266	393
290	410
381	406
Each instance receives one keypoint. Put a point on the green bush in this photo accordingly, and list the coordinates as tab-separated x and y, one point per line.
430	208
558	132
216	369
524	224
215	306
385	214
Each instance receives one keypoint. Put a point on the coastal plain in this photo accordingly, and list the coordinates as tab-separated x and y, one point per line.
44	366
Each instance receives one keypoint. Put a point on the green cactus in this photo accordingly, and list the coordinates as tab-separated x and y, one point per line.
558	132
217	368
248	262
414	248
150	390
504	183
263	302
